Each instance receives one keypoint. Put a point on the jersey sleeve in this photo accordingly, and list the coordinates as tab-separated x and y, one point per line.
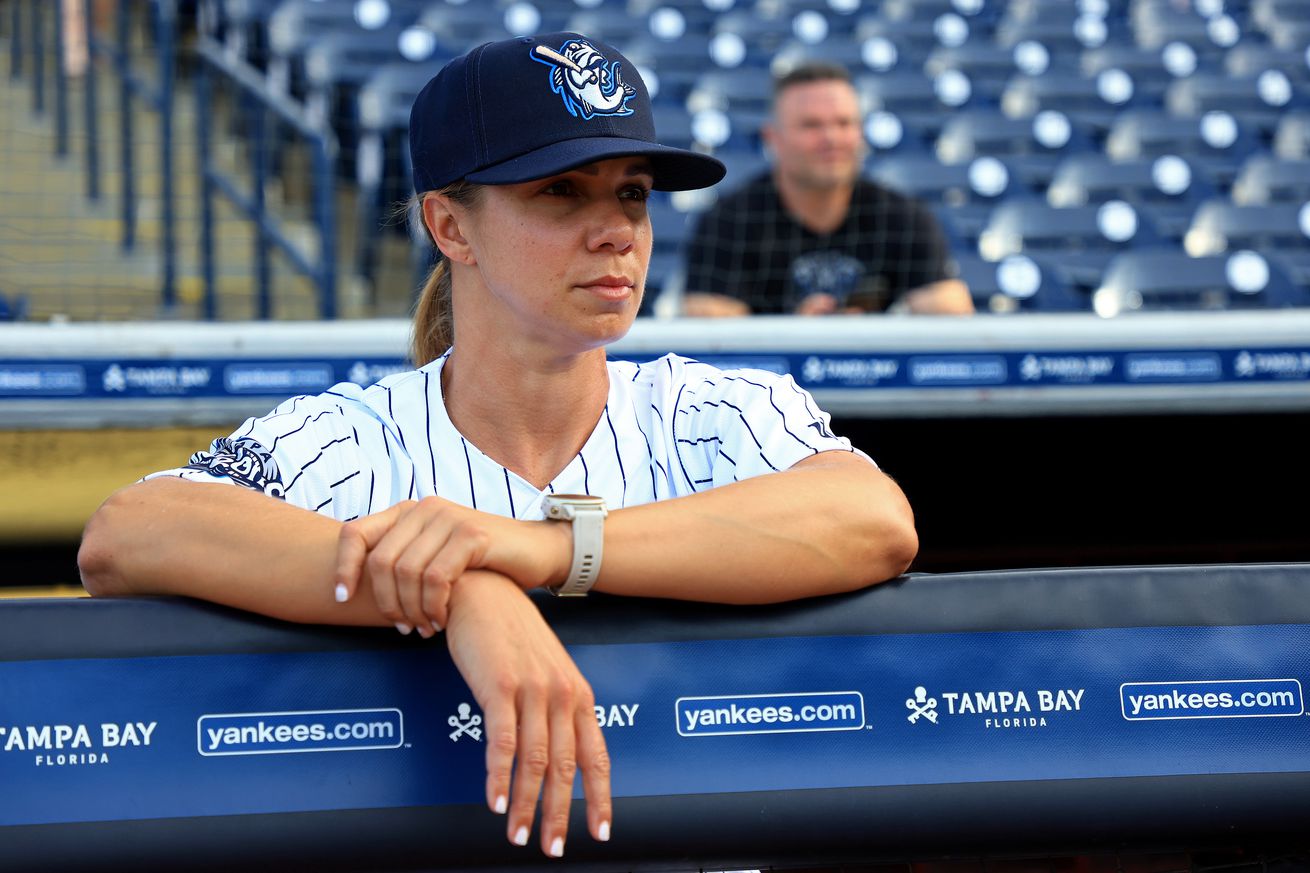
312	452
729	425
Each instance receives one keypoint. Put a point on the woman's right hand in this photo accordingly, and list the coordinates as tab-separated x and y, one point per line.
412	553
539	711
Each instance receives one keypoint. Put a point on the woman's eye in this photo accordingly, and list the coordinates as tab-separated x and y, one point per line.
558	188
637	192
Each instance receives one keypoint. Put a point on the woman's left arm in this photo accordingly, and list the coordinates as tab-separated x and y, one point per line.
832	522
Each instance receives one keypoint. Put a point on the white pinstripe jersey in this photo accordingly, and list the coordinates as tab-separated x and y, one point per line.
670	427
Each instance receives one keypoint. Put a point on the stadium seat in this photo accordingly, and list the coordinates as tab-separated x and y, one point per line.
1167	189
1017	284
914	40
1093	103
792	53
963	195
1031	146
988	67
608	26
1257	102
1292	136
1278	230
1059	36
1078	241
382	168
1267	179
921	103
1167	279
763	34
1286	22
1146	67
1216	142
1250	59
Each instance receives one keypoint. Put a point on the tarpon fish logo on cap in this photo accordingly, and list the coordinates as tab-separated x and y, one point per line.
589	84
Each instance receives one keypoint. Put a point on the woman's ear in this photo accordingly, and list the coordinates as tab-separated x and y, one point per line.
444	226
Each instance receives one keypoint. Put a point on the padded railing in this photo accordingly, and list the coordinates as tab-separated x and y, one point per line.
937	716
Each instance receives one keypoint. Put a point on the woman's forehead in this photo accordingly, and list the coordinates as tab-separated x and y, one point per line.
629	165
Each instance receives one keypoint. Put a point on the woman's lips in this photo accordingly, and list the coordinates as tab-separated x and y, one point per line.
608	287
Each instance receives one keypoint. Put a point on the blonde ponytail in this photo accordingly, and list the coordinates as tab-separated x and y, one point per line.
434	321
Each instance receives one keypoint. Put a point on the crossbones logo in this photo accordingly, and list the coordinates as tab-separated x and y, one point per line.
465	723
921	705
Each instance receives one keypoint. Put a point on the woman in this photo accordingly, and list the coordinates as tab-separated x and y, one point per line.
422	501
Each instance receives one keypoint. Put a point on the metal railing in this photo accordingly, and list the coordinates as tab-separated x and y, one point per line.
258	102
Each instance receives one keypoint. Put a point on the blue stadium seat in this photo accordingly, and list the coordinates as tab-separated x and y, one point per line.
731	90
1257	102
1278	230
1031	146
1267	179
833	51
921	103
676	64
988	67
1216	142
1167	279
914	40
1250	59
1079	241
1167	189
1093	103
1149	74
1292	136
763	34
1017	283
1058	35
962	195
608	26
1286	22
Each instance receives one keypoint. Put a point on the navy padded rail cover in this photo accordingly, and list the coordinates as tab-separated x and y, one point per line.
961	714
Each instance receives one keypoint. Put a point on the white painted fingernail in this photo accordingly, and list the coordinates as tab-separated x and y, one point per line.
604	832
521	836
501	805
557	848
403	628
436	628
342	594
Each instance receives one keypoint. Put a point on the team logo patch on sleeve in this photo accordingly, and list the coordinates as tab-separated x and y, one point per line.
589	84
242	460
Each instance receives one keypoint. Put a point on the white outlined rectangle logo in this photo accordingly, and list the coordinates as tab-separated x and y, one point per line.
1220	698
803	712
283	733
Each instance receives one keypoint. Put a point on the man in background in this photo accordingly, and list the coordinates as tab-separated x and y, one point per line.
812	236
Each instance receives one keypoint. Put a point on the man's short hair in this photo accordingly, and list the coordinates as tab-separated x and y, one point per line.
810	71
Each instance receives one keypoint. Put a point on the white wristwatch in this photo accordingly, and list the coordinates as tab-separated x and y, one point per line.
587	515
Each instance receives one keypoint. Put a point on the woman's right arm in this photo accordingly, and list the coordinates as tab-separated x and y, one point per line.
221	543
242	548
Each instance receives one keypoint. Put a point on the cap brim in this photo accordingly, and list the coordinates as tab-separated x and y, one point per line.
675	169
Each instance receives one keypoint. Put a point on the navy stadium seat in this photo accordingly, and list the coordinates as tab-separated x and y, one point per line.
1279	230
1216	142
1018	283
921	103
962	195
1031	146
762	33
1149	74
914	40
832	51
608	26
1167	189
988	67
1078	241
1254	101
1094	103
1252	59
1267	179
1286	22
1167	279
1292	136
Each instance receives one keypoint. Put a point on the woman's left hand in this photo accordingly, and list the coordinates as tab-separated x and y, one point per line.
414	551
539	710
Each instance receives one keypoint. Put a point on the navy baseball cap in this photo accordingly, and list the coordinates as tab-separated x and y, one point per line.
526	108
